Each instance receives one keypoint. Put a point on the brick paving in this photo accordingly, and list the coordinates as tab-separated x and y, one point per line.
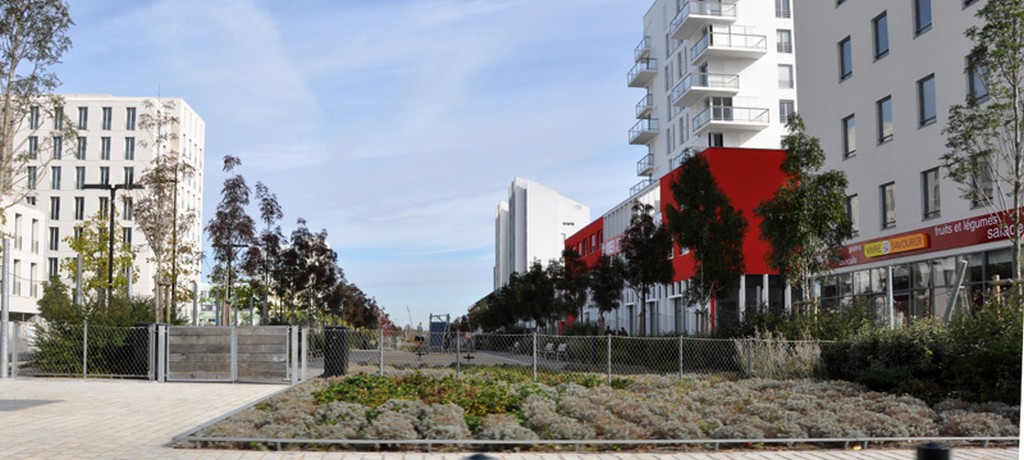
115	419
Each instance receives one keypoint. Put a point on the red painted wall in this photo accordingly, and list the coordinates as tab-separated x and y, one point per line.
747	177
581	240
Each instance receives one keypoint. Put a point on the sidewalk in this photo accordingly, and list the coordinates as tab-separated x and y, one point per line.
93	419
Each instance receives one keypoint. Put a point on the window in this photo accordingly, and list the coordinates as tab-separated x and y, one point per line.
54	241
782	9
129	148
58	147
786	108
880	30
79	207
926	100
845	59
126	210
55	177
107	116
54	208
922	16
888	196
30	200
969	3
80	151
104	175
884	109
977	90
104	148
58	118
784	41
126	237
849	136
83	117
716	140
104	207
853	212
33	147
52	266
129	175
930	192
33	177
33	117
129	119
79	177
785	76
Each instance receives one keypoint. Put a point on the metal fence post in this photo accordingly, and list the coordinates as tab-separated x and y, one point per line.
750	357
163	332
608	358
14	349
680	357
534	356
151	342
458	352
85	349
295	353
234	352
380	342
305	349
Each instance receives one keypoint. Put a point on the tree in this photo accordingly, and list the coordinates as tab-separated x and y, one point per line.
308	272
268	256
33	37
231	227
705	221
645	246
92	243
606	282
156	210
985	135
805	222
571	281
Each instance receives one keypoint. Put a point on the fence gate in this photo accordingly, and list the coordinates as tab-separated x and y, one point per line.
261	354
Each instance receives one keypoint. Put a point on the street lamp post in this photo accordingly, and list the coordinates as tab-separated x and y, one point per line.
113	207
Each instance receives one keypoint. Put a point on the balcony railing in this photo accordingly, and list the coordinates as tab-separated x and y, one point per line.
730	41
699	8
686	154
643	131
705	80
643	49
645	166
643	108
640	186
725	114
642	72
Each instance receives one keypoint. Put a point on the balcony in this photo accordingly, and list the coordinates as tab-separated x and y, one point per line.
686	154
695	87
640	186
695	15
645	166
642	73
728	45
643	50
644	131
645	106
724	118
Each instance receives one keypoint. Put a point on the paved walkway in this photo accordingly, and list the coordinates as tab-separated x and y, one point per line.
94	419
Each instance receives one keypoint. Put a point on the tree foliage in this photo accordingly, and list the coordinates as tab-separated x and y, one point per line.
231	228
33	37
645	247
308	272
270	241
805	222
571	279
985	136
705	221
92	244
606	283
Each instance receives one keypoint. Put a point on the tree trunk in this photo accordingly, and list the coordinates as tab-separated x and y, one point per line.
643	313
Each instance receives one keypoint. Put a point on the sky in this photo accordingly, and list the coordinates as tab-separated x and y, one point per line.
395	125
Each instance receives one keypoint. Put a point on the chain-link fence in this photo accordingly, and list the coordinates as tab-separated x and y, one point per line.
379	352
81	350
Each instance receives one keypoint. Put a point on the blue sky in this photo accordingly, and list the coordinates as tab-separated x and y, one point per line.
396	125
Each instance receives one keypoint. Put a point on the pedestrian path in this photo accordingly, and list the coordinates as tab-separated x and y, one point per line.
129	419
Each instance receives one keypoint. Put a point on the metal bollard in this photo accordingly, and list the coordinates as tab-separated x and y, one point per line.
479	456
932	451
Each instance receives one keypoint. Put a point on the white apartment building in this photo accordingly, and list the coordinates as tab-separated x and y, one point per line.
715	73
24	228
532	225
110	148
877	79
